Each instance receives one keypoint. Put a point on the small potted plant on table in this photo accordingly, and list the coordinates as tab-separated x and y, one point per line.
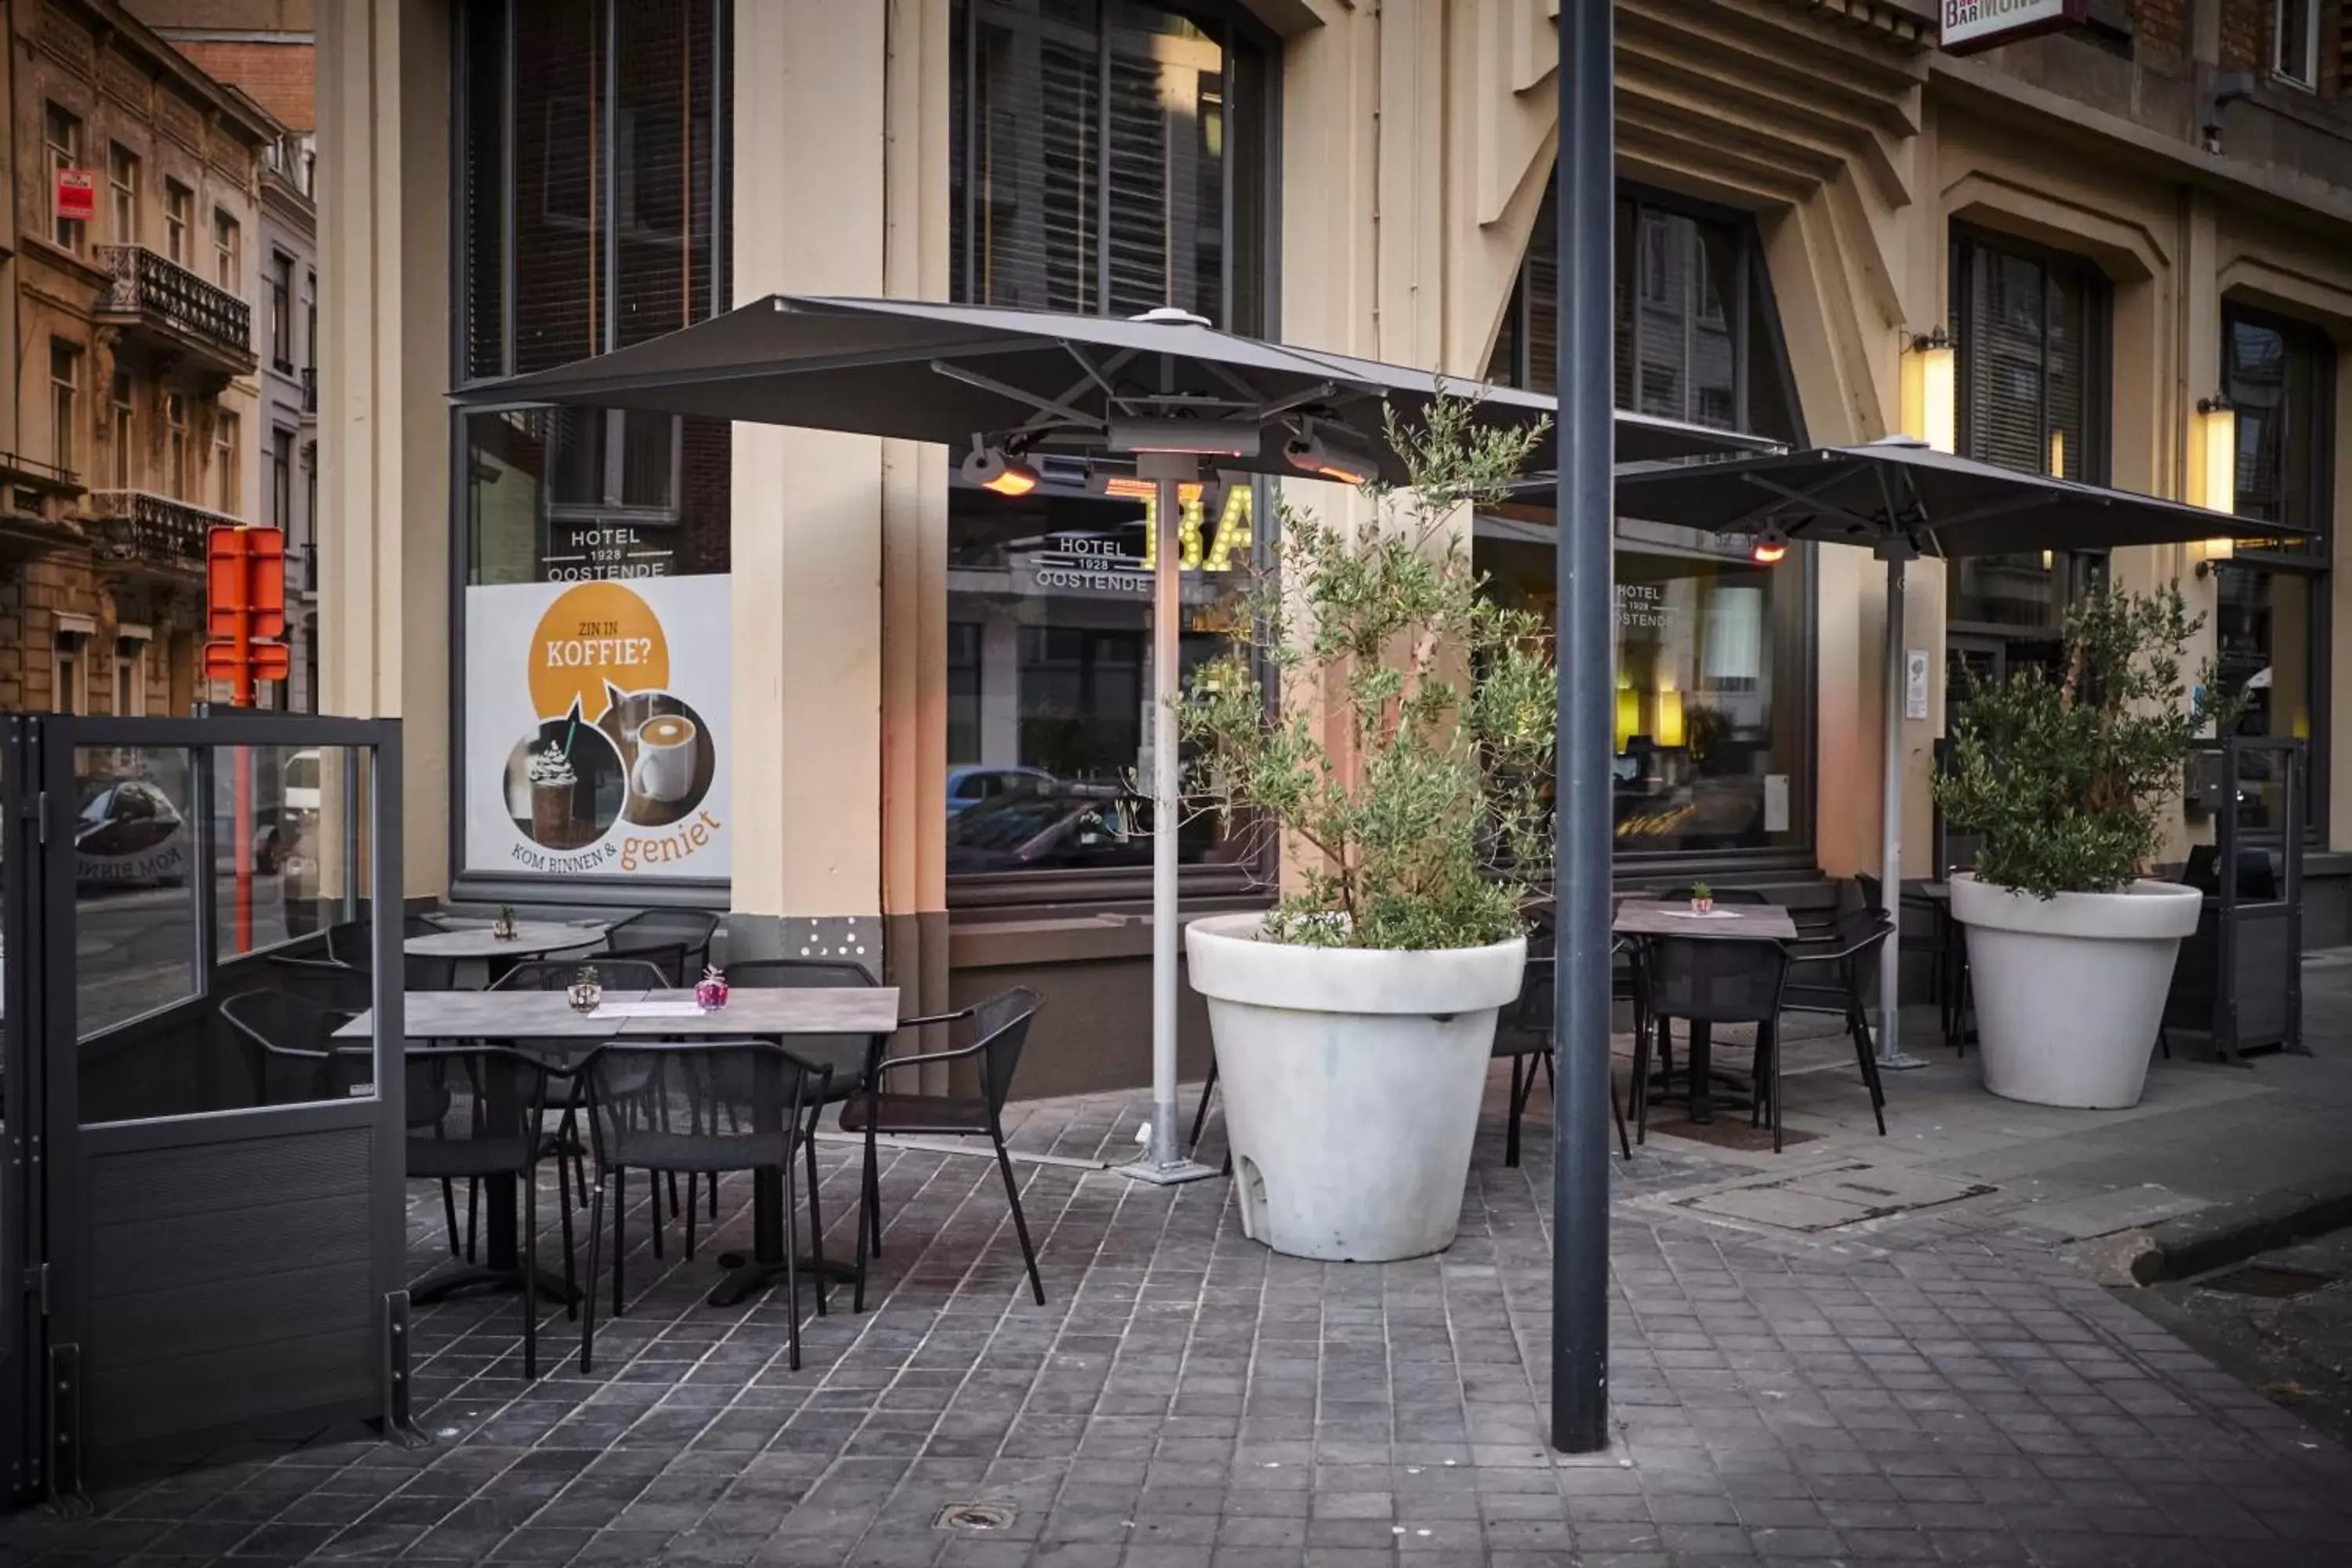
1353	1025
2065	774
1702	899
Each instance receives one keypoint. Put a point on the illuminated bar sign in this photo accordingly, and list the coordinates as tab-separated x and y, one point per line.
1969	26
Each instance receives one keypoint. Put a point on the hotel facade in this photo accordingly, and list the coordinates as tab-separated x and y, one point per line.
894	711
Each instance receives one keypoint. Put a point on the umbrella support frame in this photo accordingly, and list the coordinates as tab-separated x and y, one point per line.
1891	1057
1163	1163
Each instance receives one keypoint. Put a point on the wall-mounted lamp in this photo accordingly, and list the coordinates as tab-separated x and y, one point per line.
2213	471
1927	398
2214	455
1670	718
991	469
1629	717
1771	544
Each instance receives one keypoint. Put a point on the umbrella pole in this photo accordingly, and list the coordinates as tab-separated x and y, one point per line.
1891	1057
1161	1162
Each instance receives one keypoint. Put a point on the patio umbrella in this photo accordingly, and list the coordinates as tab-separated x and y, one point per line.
1901	499
1164	391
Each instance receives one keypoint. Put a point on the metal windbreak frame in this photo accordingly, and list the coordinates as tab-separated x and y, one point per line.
45	1230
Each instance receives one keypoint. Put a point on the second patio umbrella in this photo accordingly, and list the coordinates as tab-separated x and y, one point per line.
1902	499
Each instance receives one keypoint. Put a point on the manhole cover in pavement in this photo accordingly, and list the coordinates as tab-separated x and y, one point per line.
974	1517
2270	1281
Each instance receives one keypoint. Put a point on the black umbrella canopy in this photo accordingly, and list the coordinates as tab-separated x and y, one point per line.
1029	380
1901	488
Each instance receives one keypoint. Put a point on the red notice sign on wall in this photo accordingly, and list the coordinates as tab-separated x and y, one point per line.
77	195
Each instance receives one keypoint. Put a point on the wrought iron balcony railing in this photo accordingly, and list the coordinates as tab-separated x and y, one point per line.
142	526
155	288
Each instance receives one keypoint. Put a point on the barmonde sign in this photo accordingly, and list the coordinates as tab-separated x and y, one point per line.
1969	25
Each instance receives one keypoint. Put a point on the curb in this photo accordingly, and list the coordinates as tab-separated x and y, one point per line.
2230	1233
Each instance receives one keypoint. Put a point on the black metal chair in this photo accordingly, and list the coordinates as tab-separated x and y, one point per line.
496	1101
667	959
1925	926
844	1055
323	981
1523	1036
690	930
1000	1028
352	945
1827	976
698	1109
615	974
1705	981
298	1058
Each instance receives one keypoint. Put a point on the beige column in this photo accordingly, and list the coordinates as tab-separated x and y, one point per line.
811	115
384	422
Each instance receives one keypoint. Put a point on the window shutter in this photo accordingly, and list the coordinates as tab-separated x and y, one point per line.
1034	165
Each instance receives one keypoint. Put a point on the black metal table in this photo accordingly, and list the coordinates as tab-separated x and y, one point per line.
544	1023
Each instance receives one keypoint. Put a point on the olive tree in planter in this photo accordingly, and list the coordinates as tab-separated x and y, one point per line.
2066	775
1395	728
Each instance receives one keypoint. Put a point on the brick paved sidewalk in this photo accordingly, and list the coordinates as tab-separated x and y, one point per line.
1939	1387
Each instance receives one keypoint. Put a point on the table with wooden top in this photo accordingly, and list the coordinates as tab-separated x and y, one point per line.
1724	922
544	1024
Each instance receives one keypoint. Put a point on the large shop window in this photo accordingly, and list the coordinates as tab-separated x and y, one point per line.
1108	158
2032	331
592	702
2272	622
1713	678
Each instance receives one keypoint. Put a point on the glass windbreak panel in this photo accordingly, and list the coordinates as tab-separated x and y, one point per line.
2269	656
136	853
275	809
1049	674
1711	750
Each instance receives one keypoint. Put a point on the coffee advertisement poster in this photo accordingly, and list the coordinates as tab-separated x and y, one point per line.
595	727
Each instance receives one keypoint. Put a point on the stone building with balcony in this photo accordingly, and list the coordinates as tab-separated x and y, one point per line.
133	415
265	49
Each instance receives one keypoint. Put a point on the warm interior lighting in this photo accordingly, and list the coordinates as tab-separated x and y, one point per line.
1629	715
1927	398
1670	717
1771	544
2049	559
991	469
2057	454
2213	456
1326	454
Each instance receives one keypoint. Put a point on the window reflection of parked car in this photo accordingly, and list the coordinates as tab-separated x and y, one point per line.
300	783
121	823
1069	829
971	786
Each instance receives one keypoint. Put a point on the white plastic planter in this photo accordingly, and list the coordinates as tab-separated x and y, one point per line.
1352	1082
2070	991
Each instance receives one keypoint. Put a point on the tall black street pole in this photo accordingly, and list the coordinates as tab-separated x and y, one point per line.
1580	1183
